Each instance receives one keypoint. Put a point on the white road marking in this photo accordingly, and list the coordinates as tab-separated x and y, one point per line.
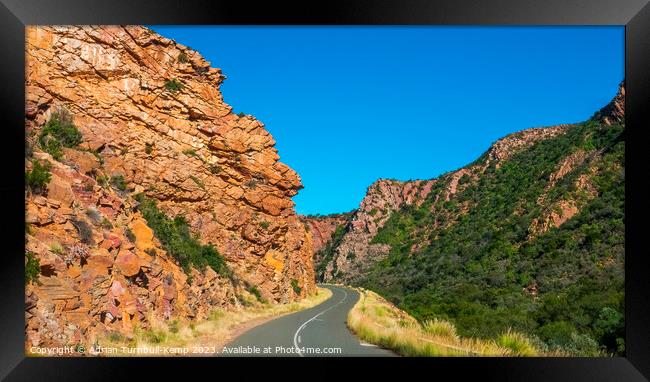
367	344
295	336
299	340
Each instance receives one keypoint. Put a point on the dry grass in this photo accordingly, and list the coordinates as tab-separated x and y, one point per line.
377	321
212	333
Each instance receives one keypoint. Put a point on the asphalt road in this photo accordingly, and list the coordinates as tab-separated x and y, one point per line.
319	331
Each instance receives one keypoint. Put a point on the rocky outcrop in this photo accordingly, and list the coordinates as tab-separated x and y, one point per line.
382	198
322	228
613	112
150	111
505	147
93	278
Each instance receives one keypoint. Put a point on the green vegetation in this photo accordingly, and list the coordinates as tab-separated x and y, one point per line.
377	321
85	231
215	169
97	155
106	223
118	182
241	114
326	254
148	148
294	285
197	181
173	85
32	268
190	152
38	177
479	267
102	180
176	238
57	248
252	184
59	132
182	58
129	235
265	224
256	292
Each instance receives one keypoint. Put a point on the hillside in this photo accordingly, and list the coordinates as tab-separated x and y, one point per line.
530	236
147	196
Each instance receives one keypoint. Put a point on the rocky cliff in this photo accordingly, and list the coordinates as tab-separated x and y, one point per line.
356	250
153	122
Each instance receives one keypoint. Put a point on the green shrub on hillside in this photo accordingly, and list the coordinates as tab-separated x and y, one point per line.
173	85
38	177
118	182
294	285
84	230
59	132
32	268
175	236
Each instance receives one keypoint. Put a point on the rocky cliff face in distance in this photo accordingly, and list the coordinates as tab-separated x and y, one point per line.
152	122
356	250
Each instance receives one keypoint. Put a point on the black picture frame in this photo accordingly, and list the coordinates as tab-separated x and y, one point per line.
633	14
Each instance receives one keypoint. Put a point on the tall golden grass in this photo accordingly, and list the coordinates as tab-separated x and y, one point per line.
215	331
377	321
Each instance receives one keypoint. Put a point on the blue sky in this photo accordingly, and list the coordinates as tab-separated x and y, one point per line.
349	105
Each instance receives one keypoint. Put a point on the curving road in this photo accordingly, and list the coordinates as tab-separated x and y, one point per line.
319	331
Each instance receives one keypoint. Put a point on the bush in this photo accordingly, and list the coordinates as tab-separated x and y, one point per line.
39	176
182	58
517	343
175	236
106	223
118	182
148	148
215	169
441	328
294	285
255	292
173	85
265	224
190	152
57	248
173	326
32	268
94	215
129	235
102	180
59	132
197	181
85	231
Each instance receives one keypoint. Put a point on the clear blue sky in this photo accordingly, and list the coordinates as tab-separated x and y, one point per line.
349	105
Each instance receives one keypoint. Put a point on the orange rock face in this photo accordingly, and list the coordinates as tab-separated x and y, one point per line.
182	146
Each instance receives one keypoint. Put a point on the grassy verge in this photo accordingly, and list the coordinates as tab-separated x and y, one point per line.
212	333
377	321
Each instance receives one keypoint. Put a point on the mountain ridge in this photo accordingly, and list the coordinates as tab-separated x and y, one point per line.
531	189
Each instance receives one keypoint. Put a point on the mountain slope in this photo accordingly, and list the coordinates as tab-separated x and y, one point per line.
151	121
529	236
